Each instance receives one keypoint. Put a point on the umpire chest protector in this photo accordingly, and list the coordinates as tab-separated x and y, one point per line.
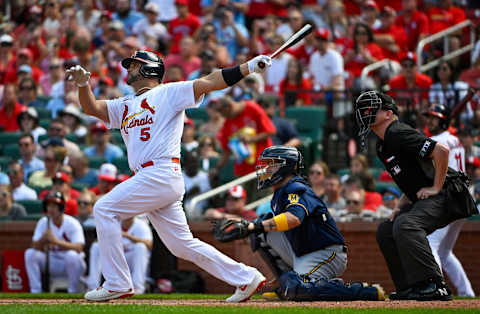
317	229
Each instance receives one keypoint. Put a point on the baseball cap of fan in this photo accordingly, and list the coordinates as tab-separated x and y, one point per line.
237	192
108	172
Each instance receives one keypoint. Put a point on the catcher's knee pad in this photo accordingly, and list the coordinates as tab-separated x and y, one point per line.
295	287
270	257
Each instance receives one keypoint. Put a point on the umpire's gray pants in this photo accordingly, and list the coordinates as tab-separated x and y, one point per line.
327	264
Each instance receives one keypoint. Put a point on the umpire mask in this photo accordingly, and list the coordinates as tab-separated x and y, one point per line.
366	108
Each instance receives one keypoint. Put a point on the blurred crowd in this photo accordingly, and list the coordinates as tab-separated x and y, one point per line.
62	149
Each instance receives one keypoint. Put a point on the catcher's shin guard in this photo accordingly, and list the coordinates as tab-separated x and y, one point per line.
274	262
294	288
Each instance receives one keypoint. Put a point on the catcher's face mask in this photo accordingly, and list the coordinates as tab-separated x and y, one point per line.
268	171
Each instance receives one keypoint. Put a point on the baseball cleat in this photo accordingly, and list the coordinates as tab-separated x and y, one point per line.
244	293
270	296
380	291
102	294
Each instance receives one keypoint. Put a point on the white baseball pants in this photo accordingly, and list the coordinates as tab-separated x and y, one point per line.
138	257
69	264
442	242
156	190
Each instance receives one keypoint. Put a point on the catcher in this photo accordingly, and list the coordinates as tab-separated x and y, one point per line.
299	240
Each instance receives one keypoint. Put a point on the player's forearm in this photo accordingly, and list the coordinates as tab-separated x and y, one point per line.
277	223
148	243
89	103
64	245
440	158
217	80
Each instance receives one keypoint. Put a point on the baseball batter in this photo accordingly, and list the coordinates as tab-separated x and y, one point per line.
443	240
151	124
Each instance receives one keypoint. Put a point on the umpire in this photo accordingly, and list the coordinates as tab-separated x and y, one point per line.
433	196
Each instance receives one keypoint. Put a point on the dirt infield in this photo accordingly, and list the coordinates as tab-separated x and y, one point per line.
463	304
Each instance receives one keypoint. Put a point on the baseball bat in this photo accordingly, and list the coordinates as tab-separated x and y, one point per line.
463	103
46	277
295	38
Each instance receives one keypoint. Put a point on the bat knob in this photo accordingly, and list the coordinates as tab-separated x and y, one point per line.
261	64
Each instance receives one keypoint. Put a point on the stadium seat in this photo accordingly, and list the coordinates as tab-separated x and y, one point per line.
116	137
96	162
4	161
72	137
381	186
79	186
198	115
9	138
309	120
42	138
12	151
44	100
45	123
43	113
32	206
227	174
122	164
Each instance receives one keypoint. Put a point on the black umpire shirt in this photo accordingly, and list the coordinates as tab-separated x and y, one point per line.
405	153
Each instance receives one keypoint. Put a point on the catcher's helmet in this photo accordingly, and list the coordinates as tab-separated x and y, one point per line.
367	106
441	112
152	64
54	197
276	163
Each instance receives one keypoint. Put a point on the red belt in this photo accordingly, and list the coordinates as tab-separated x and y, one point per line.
150	163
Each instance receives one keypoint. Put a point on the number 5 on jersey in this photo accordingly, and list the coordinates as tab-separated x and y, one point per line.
145	134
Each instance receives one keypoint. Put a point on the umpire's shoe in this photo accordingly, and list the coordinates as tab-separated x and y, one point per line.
244	293
430	290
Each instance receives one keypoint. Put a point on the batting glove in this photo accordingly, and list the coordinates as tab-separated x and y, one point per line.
259	64
79	75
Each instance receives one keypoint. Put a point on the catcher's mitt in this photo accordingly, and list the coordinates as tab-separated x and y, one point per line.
227	230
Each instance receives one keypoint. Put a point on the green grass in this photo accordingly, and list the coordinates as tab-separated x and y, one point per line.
72	308
173	296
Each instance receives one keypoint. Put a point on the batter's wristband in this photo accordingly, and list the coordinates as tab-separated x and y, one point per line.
232	76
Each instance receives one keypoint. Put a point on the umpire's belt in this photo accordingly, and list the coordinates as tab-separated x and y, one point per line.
151	163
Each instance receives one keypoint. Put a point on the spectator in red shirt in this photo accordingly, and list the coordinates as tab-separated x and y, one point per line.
234	206
184	25
262	8
444	15
362	51
292	86
410	88
7	58
414	22
61	183
303	52
107	179
186	57
390	37
370	14
246	126
24	56
10	109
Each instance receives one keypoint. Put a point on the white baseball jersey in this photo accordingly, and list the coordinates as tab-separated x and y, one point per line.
139	229
151	124
70	230
456	158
